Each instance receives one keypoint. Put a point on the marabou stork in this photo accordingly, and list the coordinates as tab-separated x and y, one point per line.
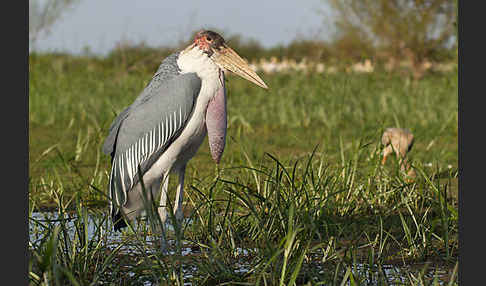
165	125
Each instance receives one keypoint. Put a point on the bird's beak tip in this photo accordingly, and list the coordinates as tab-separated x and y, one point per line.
228	59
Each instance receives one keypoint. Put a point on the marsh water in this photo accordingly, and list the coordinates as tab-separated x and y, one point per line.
101	228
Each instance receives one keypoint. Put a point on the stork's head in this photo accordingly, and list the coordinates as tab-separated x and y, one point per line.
215	48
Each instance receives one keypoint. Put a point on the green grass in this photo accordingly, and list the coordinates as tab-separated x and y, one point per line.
300	183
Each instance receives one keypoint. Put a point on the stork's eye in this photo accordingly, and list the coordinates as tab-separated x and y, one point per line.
209	39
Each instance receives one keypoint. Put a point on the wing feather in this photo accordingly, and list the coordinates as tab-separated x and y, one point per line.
136	141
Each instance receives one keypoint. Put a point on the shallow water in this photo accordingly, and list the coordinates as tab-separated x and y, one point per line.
40	221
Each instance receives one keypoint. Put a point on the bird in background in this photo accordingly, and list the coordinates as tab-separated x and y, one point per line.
400	141
165	125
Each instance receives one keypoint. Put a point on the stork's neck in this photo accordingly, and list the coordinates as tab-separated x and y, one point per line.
194	60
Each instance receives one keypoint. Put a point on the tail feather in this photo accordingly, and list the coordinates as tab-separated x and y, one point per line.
116	216
118	221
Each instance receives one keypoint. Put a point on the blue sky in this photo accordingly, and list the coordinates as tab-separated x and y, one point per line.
99	25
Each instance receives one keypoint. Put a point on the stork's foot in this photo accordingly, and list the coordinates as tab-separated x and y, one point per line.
164	247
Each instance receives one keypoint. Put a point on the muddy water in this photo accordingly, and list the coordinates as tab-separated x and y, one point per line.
39	221
98	227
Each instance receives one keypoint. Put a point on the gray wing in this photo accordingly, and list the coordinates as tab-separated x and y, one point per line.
148	128
167	70
110	141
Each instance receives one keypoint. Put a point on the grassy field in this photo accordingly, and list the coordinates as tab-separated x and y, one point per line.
300	183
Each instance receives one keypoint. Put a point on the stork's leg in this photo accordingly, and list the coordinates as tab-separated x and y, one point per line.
179	214
162	210
163	199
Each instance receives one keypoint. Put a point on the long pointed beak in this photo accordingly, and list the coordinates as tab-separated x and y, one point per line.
228	59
